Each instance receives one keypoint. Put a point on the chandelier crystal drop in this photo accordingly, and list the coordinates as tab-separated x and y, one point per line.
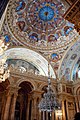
49	101
4	71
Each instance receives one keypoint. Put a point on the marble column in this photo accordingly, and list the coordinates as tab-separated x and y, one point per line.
34	109
76	102
28	107
21	105
43	115
67	109
56	116
53	115
46	115
7	107
3	105
36	97
38	111
13	106
39	115
63	111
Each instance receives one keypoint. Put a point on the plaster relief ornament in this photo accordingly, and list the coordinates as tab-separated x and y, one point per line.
39	23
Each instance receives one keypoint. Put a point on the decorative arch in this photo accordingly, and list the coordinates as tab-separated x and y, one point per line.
45	84
76	89
69	60
32	57
27	80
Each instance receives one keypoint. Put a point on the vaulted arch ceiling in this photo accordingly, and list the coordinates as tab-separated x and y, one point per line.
70	62
32	57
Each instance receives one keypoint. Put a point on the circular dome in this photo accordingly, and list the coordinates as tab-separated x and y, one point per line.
39	24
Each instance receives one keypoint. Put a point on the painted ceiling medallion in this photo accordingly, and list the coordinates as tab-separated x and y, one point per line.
39	24
46	13
45	16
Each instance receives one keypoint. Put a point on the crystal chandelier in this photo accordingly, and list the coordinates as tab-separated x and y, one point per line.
4	72
49	101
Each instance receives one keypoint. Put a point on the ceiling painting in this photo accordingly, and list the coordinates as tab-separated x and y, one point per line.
39	24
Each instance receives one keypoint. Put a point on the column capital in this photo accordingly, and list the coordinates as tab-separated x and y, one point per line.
12	90
36	94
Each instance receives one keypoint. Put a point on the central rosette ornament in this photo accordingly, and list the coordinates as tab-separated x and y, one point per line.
46	13
45	16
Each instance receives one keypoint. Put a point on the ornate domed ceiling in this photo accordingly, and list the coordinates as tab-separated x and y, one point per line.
39	23
39	26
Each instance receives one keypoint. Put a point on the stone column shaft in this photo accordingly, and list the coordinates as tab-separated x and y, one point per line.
67	109
46	115
28	107
36	97
63	111
56	116
34	109
76	102
52	115
7	106
39	115
39	112
43	115
13	107
3	106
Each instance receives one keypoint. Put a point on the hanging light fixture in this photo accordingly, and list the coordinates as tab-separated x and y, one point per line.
49	101
4	72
